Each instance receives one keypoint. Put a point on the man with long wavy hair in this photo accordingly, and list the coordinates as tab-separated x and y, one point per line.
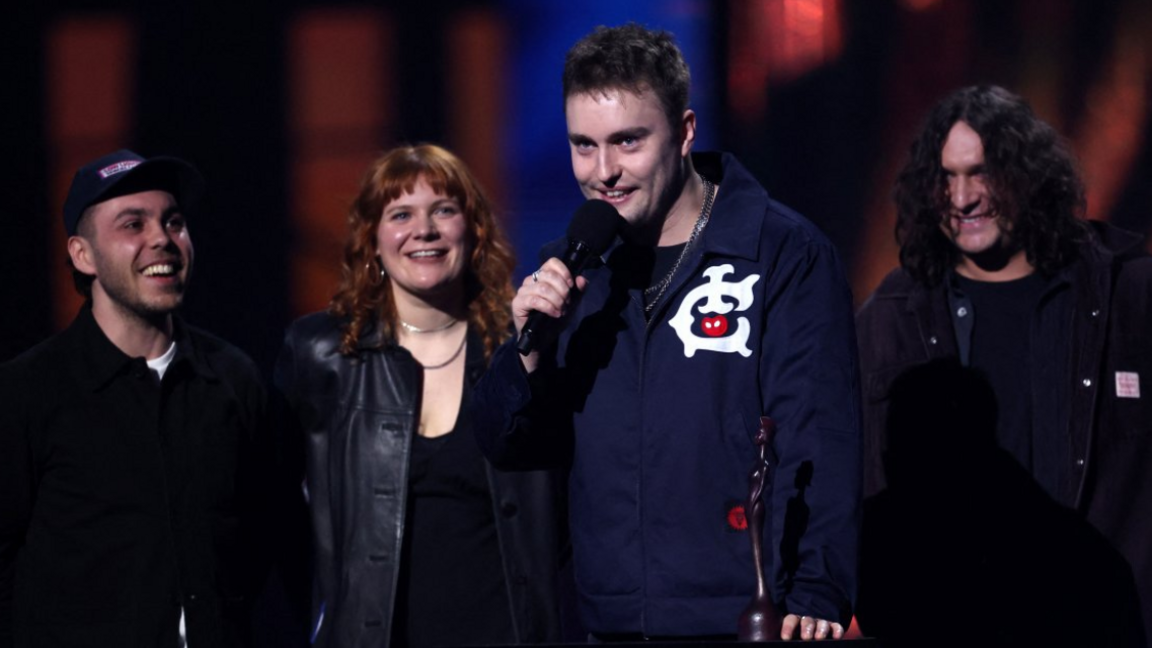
1000	270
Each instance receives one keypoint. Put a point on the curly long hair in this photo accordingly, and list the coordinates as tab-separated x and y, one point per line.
1034	180
362	300
633	58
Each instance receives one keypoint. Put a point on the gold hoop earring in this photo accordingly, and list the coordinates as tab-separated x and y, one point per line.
378	274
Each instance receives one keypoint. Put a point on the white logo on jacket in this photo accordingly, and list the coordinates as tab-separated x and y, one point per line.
716	326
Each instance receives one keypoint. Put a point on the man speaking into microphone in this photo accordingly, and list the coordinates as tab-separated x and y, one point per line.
647	373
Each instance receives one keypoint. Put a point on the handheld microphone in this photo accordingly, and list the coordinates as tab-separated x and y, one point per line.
593	227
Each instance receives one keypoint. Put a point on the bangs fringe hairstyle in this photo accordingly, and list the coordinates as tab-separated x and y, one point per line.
363	301
1034	181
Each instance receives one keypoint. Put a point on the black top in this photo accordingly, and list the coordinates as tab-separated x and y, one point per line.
124	499
452	589
663	260
1002	349
356	418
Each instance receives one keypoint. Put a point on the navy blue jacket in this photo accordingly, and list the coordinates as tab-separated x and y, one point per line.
658	419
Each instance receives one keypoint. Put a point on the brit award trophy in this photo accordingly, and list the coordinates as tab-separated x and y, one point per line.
760	621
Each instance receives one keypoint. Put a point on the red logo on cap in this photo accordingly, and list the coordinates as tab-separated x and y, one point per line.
119	167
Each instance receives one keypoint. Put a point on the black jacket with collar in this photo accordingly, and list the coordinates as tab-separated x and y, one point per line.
123	500
357	417
1100	386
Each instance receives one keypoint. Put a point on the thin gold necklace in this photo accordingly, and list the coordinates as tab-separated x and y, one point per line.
453	357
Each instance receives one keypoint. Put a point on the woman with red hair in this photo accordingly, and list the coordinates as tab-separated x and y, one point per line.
417	540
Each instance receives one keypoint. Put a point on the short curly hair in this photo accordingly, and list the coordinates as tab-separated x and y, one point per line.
633	58
1034	180
362	300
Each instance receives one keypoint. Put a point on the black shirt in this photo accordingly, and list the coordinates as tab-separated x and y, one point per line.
1002	348
663	261
124	499
452	589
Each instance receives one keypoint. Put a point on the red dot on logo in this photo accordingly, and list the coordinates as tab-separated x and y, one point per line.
736	518
714	326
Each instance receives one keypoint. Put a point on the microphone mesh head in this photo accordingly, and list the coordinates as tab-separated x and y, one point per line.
595	224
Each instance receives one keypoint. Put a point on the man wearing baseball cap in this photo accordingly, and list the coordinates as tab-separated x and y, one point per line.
132	446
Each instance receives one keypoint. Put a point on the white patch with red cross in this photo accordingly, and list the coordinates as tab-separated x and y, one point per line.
714	314
1127	384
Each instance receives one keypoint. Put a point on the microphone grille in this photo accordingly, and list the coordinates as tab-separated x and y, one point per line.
595	224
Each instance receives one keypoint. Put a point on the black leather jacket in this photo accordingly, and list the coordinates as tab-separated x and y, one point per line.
358	417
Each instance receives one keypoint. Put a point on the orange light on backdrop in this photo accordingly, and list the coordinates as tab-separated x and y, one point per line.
90	89
929	57
776	42
340	73
1110	138
920	5
476	67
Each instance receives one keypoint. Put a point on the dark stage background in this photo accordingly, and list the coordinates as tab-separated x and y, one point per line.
282	105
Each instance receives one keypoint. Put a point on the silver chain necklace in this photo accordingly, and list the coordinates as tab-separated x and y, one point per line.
701	221
416	329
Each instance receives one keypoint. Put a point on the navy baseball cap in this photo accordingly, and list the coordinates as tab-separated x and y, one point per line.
124	172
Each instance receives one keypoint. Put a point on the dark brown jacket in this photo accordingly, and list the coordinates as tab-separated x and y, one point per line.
1106	351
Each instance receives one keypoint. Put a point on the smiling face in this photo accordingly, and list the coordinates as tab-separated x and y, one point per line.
625	152
139	251
973	223
424	244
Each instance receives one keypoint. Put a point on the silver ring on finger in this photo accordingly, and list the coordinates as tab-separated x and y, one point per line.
536	277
